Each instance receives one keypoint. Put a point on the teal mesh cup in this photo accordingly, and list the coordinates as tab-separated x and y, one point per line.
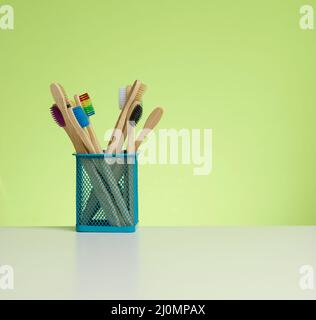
107	192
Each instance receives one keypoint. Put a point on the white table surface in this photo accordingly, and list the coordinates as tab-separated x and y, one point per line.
159	263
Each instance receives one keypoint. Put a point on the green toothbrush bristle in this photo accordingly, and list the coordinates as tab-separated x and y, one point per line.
89	111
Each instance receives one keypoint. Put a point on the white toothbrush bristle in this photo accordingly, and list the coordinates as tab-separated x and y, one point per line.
122	97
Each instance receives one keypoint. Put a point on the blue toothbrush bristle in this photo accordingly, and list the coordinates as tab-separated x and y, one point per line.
81	117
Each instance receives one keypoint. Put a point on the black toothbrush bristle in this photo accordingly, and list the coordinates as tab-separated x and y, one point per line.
136	114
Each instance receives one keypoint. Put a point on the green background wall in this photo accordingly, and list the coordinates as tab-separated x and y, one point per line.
243	68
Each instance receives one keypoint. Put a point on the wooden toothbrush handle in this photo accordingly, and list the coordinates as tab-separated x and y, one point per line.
94	139
151	122
131	147
79	147
124	131
128	91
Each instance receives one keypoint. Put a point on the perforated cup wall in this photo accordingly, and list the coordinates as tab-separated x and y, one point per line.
107	192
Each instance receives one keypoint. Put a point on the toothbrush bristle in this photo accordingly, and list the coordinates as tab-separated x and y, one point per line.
84	96
57	116
89	110
140	92
87	104
81	117
136	114
85	100
122	97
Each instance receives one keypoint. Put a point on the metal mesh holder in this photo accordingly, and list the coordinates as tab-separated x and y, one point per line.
107	192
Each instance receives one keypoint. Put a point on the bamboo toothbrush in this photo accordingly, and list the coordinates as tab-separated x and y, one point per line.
89	110
115	142
152	120
61	104
81	117
85	136
65	107
116	137
135	113
71	106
